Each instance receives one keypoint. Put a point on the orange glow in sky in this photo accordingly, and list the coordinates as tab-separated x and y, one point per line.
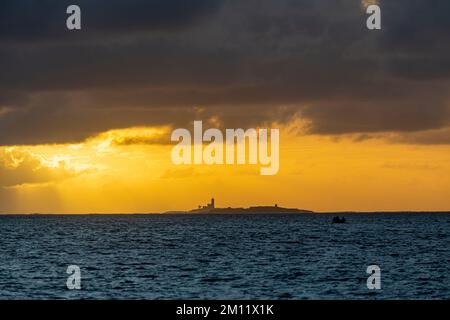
130	171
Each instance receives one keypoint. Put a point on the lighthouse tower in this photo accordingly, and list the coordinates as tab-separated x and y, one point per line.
212	203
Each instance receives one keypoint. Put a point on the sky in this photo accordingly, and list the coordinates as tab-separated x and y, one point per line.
86	116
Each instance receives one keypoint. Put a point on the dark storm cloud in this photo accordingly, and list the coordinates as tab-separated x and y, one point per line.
417	25
416	37
38	20
244	62
433	137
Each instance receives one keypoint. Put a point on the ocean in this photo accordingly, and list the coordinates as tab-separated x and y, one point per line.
289	256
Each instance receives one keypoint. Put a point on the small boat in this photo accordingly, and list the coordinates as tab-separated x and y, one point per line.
339	220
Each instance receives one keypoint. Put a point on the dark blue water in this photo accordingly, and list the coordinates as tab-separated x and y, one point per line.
225	257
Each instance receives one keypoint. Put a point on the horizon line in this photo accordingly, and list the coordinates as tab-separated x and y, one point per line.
180	212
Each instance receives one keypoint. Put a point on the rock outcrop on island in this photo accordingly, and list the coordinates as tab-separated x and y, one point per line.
211	209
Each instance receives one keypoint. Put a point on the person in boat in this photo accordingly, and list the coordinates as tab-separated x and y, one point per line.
338	220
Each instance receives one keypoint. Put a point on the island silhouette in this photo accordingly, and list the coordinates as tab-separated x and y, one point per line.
210	208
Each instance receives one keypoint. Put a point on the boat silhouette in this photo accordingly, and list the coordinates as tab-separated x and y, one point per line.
339	220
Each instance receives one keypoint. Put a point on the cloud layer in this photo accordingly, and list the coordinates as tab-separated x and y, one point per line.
146	63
